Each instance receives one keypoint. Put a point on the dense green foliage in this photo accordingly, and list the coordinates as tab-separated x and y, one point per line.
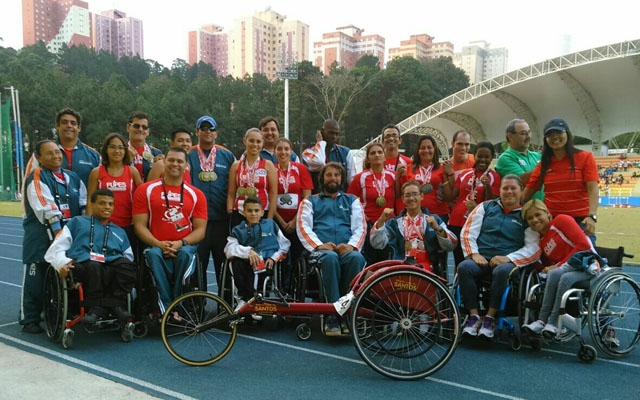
105	91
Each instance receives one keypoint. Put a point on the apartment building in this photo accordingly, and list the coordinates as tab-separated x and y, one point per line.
345	47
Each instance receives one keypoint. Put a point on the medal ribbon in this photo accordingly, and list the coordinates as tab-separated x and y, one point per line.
209	163
285	183
138	159
378	184
425	173
248	173
413	228
475	183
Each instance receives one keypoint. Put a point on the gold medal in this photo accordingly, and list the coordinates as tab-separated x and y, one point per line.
252	192
470	205
242	191
147	156
381	201
202	176
426	188
213	176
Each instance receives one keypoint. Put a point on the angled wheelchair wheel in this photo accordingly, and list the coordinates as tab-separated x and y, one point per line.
614	317
405	324
55	304
198	329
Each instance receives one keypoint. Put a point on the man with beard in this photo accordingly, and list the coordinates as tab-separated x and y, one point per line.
517	159
331	225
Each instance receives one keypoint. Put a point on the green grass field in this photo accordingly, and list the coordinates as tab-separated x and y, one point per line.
615	227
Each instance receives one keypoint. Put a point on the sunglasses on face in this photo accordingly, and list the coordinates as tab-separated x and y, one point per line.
138	126
207	129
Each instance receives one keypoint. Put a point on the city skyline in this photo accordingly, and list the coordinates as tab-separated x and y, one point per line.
530	34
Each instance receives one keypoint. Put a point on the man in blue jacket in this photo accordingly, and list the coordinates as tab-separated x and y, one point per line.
331	225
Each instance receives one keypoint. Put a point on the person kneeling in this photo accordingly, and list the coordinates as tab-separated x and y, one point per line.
99	255
255	246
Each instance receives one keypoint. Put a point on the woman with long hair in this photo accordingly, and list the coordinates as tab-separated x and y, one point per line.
569	175
118	175
375	187
251	176
470	188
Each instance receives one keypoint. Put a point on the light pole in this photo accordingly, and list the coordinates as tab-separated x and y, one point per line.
288	70
17	128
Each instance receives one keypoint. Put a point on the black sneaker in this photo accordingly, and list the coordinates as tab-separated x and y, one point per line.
32	327
94	315
121	314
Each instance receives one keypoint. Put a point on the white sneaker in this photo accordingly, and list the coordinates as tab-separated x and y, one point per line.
473	325
609	337
534	327
549	331
241	303
488	327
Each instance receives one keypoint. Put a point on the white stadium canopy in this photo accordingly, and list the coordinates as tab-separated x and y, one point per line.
597	91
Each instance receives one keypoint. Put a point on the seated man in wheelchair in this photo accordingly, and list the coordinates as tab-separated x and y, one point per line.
98	254
170	216
332	227
560	238
255	246
414	235
496	242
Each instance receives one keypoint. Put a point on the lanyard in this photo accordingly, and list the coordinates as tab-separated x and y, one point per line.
248	173
166	196
285	182
106	237
63	182
207	164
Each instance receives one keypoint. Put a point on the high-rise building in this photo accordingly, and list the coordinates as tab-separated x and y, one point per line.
116	33
56	22
421	47
266	43
209	44
345	47
481	62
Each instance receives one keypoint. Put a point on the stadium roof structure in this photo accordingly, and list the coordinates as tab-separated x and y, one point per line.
597	91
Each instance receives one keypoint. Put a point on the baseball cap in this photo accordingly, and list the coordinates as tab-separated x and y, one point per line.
206	118
556	124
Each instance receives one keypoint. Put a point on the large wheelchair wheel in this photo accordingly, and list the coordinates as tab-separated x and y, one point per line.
405	324
614	315
55	304
197	329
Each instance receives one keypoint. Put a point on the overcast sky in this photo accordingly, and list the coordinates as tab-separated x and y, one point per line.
532	31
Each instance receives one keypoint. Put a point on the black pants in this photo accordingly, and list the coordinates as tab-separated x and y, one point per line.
213	243
106	284
244	277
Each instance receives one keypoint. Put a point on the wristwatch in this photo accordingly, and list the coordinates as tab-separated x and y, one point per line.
184	242
593	217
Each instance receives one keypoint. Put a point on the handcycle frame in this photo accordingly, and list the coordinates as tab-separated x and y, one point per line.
403	319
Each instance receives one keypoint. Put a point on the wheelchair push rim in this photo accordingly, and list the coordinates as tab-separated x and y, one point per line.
405	324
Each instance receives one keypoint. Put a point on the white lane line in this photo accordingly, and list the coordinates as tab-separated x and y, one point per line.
11	259
623	363
321	353
10	244
10	284
97	368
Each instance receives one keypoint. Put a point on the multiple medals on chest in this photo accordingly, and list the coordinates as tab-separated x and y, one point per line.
247	176
147	155
207	165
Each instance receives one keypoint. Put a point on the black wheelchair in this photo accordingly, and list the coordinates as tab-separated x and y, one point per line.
64	308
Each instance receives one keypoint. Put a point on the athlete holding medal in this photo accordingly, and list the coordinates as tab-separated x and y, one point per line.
375	187
472	187
252	176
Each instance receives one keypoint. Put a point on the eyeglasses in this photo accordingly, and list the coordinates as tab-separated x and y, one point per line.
523	133
391	136
207	129
412	194
553	133
116	147
138	126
